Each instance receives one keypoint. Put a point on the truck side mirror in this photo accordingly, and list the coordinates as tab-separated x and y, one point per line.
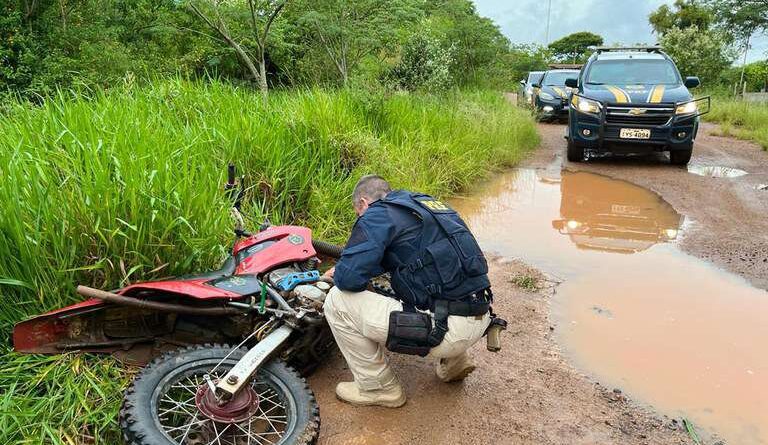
522	82
692	82
571	82
536	85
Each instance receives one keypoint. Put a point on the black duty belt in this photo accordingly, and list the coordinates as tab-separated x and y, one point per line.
473	305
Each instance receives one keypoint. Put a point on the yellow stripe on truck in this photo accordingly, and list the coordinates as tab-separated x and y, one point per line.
559	91
620	96
657	94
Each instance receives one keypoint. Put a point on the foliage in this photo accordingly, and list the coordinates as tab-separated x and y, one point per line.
254	17
479	46
741	18
575	47
698	53
424	65
755	76
741	119
525	58
45	45
126	185
683	14
349	31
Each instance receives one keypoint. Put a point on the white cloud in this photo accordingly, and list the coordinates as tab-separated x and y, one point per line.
618	21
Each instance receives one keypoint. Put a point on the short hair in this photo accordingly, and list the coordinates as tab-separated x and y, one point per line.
373	187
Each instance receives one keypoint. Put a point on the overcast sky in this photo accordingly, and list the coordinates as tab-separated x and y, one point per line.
618	21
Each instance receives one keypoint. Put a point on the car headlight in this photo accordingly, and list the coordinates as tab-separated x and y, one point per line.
671	233
573	225
687	108
546	96
585	105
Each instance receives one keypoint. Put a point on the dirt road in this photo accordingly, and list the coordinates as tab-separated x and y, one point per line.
530	394
525	395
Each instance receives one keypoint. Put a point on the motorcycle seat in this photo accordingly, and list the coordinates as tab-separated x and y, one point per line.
227	269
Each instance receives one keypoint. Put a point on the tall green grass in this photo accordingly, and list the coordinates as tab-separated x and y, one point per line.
744	120
124	186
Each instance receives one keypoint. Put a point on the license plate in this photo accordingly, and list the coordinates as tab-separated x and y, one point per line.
634	133
625	210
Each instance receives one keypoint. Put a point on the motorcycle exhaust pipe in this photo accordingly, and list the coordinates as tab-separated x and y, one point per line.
154	305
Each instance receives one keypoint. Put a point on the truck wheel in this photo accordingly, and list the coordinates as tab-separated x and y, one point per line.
575	152
168	403
680	157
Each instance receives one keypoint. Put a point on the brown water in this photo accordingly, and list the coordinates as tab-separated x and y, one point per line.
633	310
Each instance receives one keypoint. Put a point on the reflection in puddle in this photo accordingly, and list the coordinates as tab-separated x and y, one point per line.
715	171
600	213
634	310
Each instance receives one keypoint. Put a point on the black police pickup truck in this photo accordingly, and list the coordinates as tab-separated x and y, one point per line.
550	95
632	101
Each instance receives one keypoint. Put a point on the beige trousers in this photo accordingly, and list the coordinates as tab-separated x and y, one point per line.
360	322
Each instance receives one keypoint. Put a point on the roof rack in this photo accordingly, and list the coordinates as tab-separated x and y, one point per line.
647	49
565	66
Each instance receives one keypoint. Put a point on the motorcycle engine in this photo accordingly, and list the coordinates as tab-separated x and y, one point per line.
312	294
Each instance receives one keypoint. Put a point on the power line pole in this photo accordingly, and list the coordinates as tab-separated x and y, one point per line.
549	14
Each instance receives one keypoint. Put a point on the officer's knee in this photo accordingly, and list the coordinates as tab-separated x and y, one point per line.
331	300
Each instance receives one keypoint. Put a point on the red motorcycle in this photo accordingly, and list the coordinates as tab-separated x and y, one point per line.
266	299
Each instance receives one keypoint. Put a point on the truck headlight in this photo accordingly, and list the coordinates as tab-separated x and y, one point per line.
687	108
585	105
546	96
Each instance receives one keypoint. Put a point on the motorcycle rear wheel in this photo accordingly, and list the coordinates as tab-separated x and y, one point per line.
160	406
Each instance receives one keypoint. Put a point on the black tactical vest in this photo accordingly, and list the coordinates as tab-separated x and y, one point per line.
448	263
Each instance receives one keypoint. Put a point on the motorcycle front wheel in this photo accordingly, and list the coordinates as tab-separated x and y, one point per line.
166	403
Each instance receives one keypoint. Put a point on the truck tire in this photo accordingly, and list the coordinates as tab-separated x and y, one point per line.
148	418
575	152
680	157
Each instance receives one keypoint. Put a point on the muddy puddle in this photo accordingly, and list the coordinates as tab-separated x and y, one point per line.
633	310
715	171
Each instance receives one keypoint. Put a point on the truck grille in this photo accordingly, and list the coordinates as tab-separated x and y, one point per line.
645	116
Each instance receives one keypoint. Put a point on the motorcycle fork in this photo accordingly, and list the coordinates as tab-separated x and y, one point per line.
246	367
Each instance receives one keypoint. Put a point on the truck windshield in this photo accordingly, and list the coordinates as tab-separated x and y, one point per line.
557	78
534	76
633	72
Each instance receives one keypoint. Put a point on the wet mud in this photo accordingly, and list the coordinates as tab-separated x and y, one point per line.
643	313
527	394
632	309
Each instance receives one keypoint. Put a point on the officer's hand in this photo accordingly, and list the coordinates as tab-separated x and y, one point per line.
329	273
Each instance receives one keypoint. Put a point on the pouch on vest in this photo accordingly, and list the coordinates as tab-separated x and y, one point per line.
409	333
459	251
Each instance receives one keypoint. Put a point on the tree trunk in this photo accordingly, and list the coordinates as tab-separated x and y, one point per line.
744	64
263	78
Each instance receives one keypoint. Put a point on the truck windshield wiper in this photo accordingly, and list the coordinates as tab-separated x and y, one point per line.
595	83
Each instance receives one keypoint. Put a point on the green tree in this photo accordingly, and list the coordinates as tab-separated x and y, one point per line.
523	59
698	53
424	65
251	19
574	47
350	30
479	45
741	19
683	14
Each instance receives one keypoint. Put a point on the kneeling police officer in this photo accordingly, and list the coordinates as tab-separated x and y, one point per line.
439	276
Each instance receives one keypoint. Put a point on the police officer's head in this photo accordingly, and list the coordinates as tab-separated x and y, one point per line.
369	188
